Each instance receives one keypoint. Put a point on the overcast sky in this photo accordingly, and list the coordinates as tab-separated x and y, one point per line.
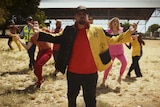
100	3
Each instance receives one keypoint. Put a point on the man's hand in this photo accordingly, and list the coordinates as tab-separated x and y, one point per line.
133	27
30	24
36	29
18	37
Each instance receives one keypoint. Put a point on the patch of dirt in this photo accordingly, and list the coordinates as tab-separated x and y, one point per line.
17	82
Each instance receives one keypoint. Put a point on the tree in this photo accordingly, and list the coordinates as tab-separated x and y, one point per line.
40	16
25	8
125	26
153	28
20	10
4	5
2	19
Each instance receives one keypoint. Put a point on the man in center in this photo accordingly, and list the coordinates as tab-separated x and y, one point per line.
83	52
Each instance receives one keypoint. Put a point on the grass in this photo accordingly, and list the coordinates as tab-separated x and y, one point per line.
17	82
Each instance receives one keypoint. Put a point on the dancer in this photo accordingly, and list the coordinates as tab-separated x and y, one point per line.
116	51
13	31
26	33
56	46
44	53
137	51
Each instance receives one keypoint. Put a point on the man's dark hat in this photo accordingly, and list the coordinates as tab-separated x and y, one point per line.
81	8
29	18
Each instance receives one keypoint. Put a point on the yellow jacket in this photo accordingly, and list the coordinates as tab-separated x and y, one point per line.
136	48
27	33
98	41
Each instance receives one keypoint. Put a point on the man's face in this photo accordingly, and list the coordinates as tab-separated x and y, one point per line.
81	17
35	24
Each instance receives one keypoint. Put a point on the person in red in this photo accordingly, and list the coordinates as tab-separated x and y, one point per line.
44	54
56	46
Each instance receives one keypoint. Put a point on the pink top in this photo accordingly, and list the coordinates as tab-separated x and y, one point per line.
115	49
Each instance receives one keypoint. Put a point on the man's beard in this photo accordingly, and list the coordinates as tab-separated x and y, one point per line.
82	22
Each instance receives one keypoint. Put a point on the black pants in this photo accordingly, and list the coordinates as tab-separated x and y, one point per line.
9	43
31	52
88	83
135	66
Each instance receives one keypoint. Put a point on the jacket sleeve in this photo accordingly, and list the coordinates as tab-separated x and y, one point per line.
64	54
47	37
107	34
121	38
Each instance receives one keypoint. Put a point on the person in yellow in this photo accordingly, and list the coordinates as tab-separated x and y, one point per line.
12	36
26	34
136	45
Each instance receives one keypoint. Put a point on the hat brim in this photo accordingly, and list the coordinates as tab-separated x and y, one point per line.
81	9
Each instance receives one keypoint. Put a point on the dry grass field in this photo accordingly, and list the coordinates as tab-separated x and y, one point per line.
17	82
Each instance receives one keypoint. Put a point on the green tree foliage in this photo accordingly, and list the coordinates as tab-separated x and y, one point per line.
2	19
25	8
4	12
20	9
40	16
125	26
153	28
